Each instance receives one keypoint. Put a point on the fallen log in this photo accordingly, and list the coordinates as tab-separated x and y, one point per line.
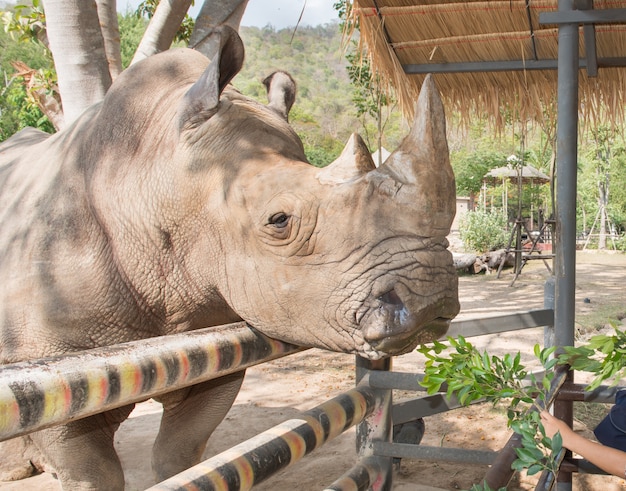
494	258
463	261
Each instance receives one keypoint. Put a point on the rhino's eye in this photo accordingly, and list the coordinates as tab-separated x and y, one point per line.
279	220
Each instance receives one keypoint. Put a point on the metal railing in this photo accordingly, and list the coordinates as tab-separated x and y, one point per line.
37	394
41	393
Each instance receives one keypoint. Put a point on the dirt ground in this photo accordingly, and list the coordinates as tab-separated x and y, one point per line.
278	390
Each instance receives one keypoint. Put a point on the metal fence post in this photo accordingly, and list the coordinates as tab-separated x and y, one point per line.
566	177
376	427
548	303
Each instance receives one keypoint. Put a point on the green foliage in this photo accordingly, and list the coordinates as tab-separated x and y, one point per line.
620	242
343	9
470	167
462	371
25	22
19	40
372	99
321	153
324	115
483	231
483	486
132	28
470	375
367	96
18	111
603	355
602	174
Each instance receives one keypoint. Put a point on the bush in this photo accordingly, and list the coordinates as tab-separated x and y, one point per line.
620	243
483	231
18	110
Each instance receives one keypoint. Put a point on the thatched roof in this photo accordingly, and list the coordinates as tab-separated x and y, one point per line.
528	173
456	40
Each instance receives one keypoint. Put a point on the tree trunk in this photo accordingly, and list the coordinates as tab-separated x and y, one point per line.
111	33
212	14
162	28
77	46
603	200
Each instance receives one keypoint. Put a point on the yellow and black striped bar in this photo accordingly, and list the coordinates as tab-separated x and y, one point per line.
256	459
362	477
40	393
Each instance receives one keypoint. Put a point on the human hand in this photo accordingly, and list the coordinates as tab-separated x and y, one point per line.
553	425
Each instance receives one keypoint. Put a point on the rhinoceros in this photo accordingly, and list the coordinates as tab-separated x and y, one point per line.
177	203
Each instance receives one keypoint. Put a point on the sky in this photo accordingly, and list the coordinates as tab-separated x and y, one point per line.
277	13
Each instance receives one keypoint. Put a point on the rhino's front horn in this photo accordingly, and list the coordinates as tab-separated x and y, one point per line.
354	161
420	167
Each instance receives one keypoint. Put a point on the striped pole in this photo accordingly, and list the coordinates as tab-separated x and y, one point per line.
249	463
360	478
40	393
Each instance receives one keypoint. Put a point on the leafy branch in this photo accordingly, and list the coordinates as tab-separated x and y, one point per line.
26	22
471	376
461	370
603	355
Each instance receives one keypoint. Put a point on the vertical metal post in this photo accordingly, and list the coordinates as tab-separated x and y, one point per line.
567	156
548	303
566	174
377	426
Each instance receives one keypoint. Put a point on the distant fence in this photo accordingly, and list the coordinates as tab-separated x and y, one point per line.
41	393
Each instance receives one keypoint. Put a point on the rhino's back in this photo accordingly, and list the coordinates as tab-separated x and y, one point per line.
16	149
25	164
44	228
22	139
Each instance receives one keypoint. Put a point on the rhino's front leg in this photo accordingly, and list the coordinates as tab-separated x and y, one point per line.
189	417
82	452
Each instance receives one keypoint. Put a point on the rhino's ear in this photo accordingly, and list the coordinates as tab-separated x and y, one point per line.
281	92
354	161
201	100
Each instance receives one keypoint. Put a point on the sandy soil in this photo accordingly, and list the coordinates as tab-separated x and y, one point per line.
276	391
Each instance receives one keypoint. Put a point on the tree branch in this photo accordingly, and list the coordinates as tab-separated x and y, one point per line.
212	14
111	34
162	28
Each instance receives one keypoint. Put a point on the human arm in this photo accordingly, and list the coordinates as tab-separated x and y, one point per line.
608	459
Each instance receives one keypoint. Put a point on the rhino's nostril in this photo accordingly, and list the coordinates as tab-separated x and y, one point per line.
391	297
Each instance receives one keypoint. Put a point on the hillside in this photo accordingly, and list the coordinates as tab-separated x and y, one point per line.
323	114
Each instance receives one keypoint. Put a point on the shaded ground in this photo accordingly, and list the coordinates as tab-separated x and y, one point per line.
276	391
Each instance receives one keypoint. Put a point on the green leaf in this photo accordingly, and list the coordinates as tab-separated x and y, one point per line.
549	365
557	443
485	360
518	465
534	469
528	455
464	394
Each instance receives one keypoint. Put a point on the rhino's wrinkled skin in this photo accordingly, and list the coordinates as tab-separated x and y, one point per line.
176	204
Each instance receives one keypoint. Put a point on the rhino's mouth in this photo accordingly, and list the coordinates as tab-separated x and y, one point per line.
392	328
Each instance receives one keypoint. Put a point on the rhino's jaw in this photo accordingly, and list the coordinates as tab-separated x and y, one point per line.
390	328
